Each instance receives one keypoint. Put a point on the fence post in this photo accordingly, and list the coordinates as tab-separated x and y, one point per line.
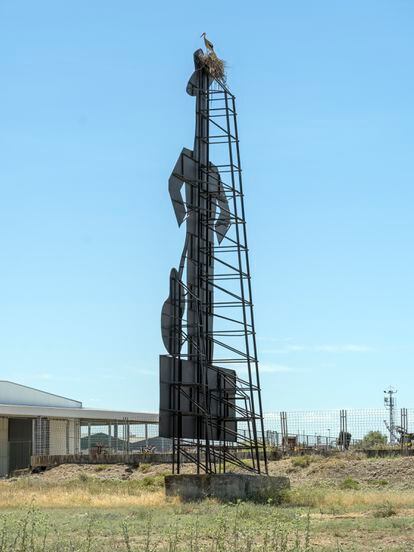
124	435
284	430
77	434
34	436
404	419
67	437
116	436
89	437
404	427
343	428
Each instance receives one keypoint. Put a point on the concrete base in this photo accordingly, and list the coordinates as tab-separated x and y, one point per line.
228	487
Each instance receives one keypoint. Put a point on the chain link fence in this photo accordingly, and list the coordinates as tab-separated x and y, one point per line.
296	430
339	428
71	436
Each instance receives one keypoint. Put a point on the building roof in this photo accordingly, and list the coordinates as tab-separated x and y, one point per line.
20	400
90	414
16	393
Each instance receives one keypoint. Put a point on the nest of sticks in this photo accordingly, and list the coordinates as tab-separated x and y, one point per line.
215	66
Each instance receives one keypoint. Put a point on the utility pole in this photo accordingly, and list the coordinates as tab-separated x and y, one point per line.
390	404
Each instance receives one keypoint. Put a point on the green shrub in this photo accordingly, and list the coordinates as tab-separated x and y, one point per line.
378	482
349	484
152	481
373	439
384	511
303	497
302	461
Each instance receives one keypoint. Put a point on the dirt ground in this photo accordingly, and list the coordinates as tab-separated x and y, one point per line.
395	473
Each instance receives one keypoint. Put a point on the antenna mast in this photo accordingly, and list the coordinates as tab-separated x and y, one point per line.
390	403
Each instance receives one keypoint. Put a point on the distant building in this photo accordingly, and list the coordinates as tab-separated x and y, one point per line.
34	422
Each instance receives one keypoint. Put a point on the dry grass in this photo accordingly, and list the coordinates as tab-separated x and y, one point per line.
330	518
55	498
215	66
149	492
81	493
349	500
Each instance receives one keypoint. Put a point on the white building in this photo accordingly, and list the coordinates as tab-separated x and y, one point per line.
34	422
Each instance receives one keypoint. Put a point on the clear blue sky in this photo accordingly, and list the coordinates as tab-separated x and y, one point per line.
93	114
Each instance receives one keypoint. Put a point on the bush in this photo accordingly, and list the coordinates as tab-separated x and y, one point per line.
302	461
101	467
373	439
349	484
384	511
378	482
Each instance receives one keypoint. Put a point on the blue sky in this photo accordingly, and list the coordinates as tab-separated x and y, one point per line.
93	114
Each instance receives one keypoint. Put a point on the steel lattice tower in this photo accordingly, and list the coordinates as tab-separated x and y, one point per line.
210	401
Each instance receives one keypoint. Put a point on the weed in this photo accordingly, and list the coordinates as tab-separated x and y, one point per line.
101	467
349	484
385	511
302	461
125	533
378	482
24	532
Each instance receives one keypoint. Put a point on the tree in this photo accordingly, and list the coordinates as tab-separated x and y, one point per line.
373	439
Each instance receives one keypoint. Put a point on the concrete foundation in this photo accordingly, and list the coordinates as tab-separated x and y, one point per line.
228	487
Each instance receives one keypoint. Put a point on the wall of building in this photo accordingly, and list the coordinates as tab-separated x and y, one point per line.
63	436
4	446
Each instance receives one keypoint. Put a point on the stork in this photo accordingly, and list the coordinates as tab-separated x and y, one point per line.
208	44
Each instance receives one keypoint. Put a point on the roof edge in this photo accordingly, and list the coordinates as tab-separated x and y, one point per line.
41	391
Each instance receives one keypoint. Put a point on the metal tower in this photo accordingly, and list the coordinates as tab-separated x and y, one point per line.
390	403
210	402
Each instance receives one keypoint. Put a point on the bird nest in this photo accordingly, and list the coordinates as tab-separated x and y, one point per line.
215	66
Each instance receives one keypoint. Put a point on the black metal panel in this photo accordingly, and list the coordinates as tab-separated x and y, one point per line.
171	315
220	397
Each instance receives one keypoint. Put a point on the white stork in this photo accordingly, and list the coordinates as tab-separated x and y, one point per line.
208	44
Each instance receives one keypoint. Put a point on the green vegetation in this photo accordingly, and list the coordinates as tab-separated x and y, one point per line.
80	509
378	482
102	467
310	522
385	510
349	484
373	439
203	527
302	461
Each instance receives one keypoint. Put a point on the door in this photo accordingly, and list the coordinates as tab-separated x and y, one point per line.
20	443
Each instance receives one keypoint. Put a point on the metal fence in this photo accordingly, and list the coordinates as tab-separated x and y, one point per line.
317	429
57	436
122	437
322	428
